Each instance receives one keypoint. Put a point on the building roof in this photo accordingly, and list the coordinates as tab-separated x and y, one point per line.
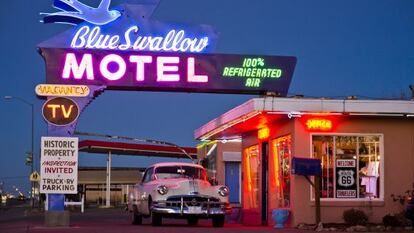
259	111
164	164
121	148
83	168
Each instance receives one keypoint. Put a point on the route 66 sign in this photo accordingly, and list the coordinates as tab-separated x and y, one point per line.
346	186
346	178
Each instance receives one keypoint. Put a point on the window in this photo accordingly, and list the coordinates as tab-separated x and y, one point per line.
280	172
148	175
171	172
251	178
351	165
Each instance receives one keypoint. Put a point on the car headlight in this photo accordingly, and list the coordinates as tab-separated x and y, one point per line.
162	189
223	191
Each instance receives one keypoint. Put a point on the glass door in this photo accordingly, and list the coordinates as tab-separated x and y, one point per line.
279	170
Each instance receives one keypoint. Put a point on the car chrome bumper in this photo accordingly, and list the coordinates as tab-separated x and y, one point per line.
183	208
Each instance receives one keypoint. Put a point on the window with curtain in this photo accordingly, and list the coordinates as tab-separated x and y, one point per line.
251	177
280	168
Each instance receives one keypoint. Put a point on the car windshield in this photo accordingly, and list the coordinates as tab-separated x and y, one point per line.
167	172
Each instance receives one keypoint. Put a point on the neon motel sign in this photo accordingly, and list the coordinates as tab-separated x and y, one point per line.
166	68
109	49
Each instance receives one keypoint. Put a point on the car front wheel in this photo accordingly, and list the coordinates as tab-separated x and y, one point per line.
218	221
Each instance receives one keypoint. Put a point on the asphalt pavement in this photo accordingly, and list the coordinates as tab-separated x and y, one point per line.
21	218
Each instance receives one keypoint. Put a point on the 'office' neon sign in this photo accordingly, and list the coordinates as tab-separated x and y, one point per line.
319	124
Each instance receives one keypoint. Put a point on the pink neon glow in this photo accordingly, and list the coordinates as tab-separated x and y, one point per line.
103	67
162	67
140	60
78	70
191	76
166	68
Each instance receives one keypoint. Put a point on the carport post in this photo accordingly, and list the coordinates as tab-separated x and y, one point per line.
108	179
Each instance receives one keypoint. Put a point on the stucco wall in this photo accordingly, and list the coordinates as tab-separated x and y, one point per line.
398	136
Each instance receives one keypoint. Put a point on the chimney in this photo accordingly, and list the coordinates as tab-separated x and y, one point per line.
412	91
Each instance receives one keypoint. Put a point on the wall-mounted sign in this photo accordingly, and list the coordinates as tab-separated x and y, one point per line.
319	124
59	165
346	176
169	71
60	111
62	90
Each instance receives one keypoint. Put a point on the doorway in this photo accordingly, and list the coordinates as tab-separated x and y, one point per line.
232	180
265	175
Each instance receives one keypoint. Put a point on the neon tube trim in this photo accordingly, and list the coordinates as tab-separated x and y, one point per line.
103	67
175	41
71	64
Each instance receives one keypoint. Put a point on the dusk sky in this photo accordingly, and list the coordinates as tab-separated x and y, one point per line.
343	48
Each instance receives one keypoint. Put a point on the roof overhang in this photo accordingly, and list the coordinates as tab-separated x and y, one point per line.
258	112
121	148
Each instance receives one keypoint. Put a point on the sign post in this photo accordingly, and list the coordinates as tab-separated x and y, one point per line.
310	167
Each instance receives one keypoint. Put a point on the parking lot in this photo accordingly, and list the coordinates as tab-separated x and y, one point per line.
19	218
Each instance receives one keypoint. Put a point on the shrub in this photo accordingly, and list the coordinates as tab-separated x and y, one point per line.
391	220
355	217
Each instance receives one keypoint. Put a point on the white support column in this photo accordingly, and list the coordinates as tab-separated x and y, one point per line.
83	203
108	179
127	193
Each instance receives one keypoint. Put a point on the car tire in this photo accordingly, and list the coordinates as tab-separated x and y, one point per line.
136	219
218	221
156	219
192	221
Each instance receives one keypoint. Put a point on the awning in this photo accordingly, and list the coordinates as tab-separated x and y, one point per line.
121	148
258	113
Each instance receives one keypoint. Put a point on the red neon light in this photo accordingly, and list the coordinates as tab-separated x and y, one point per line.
319	124
263	133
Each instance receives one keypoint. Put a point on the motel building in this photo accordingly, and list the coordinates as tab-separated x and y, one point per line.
365	147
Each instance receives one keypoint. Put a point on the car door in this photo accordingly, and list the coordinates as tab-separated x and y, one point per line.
144	190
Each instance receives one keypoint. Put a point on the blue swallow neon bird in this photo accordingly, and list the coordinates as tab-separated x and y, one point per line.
75	12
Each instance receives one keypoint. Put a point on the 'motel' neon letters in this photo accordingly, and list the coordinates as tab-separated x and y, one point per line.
167	68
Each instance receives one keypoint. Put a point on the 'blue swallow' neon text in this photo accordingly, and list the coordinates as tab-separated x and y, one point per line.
173	41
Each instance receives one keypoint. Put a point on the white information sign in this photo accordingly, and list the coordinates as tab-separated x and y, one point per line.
59	165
